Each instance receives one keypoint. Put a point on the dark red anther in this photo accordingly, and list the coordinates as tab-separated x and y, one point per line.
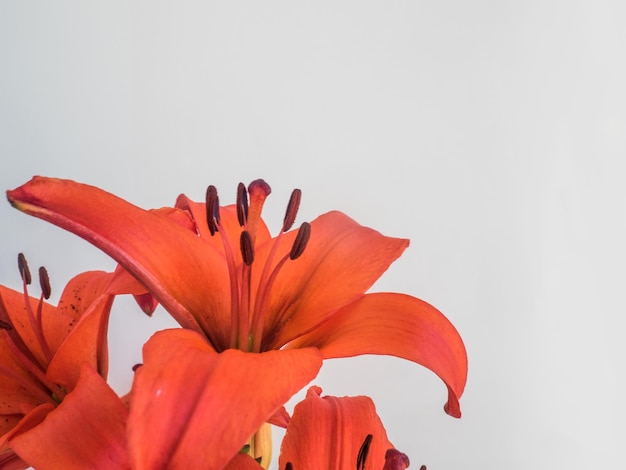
242	204
22	265
137	366
363	451
288	466
212	209
292	209
302	238
44	282
247	251
5	325
395	460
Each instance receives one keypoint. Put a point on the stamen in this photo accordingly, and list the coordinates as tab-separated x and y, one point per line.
44	282
302	238
242	204
247	251
267	280
363	451
137	366
213	222
4	325
292	209
22	265
212	209
34	320
288	466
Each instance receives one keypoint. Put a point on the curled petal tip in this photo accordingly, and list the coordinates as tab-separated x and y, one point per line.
452	407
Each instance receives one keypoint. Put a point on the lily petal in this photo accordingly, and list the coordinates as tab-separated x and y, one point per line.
192	406
341	261
86	343
87	430
178	276
396	325
330	432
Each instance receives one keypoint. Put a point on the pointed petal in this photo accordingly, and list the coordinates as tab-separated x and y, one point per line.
341	261
87	430
329	432
174	263
396	325
192	405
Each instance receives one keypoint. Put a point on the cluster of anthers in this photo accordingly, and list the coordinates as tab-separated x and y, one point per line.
246	325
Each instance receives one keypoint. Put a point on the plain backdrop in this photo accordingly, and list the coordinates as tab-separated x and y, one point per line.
492	134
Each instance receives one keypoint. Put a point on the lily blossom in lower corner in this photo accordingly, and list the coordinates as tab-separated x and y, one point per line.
339	433
218	271
43	349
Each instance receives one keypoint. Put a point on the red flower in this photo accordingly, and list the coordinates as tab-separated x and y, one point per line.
225	277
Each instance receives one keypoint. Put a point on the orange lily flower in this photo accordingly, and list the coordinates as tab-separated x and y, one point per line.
43	349
339	433
226	277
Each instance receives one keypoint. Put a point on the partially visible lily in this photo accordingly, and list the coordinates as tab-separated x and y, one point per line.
43	348
339	433
218	271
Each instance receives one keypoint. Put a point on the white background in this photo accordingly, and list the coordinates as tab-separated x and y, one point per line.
492	134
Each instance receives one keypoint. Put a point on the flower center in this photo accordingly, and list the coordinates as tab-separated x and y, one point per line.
40	387
247	317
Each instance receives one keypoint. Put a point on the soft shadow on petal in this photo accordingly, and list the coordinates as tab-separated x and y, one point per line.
192	406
